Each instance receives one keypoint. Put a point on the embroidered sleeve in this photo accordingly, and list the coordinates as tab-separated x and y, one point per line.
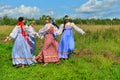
76	28
14	32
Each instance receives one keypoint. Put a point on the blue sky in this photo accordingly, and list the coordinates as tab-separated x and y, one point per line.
59	8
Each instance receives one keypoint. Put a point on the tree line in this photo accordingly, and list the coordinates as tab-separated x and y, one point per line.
41	21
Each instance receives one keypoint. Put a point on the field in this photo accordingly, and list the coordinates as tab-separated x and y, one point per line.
96	57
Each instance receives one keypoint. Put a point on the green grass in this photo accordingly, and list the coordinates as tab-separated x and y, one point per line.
87	67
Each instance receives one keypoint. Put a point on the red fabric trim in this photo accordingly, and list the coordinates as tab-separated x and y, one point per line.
24	34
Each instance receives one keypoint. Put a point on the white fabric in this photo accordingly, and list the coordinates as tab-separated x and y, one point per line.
31	31
42	31
14	32
72	25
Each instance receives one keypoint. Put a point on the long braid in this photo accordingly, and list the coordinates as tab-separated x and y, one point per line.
64	26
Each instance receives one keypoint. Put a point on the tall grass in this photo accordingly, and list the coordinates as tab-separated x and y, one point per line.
96	57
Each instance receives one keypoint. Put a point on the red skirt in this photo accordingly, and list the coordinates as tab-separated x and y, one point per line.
49	52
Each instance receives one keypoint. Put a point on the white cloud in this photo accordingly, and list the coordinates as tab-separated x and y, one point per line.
98	6
99	9
49	11
19	11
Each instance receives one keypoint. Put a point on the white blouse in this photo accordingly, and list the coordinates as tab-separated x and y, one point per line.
14	32
72	25
31	31
42	31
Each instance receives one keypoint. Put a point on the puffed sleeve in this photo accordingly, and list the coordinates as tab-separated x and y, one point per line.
34	32
14	32
31	31
76	28
44	29
60	30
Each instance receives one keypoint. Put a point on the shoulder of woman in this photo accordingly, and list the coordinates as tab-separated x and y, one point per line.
62	25
17	26
51	24
45	25
48	24
72	23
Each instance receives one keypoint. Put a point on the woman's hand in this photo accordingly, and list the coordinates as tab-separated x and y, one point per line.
6	39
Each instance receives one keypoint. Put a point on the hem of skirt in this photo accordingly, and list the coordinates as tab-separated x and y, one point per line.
45	60
23	63
63	53
63	57
22	58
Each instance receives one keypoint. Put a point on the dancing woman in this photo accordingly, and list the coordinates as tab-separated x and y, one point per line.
66	44
49	52
21	54
32	34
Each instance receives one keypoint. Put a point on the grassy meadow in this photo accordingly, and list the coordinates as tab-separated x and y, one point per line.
96	57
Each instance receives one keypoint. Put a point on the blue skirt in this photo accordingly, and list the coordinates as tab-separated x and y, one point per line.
21	51
66	44
33	45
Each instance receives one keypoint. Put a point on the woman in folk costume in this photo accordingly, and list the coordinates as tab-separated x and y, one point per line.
32	36
49	51
52	21
21	54
66	44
